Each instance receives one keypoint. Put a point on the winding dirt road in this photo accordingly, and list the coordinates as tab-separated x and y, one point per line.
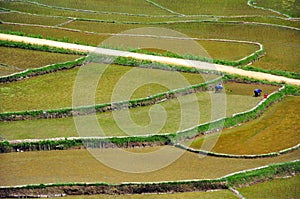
167	60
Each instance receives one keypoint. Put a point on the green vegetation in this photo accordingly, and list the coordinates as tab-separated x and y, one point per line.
27	46
62	84
65	127
279	57
81	166
280	47
125	6
53	34
212	7
265	19
277	188
262	135
31	19
65	15
289	7
276	129
17	60
264	174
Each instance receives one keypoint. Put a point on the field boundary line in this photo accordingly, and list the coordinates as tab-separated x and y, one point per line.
252	2
213	19
86	11
163	8
10	66
149	15
224	155
237	193
261	24
65	23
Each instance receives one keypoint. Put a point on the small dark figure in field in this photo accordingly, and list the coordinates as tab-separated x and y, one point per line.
257	92
218	88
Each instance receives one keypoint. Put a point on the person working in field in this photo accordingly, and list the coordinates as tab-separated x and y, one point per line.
218	88
257	92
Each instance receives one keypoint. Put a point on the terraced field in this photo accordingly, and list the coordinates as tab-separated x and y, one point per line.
17	60
262	135
279	188
245	132
239	99
81	166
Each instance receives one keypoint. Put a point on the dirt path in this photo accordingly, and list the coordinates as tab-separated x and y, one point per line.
168	60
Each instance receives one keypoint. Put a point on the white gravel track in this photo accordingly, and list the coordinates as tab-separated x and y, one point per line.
167	60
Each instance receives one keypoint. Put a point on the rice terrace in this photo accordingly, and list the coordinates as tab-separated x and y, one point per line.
149	99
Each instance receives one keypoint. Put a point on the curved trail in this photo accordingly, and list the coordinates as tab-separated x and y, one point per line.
167	60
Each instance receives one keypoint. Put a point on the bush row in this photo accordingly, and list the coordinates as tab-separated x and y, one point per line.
84	142
238	179
42	70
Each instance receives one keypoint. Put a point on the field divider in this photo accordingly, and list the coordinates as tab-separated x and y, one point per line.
230	181
237	193
244	156
252	2
89	11
164	8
